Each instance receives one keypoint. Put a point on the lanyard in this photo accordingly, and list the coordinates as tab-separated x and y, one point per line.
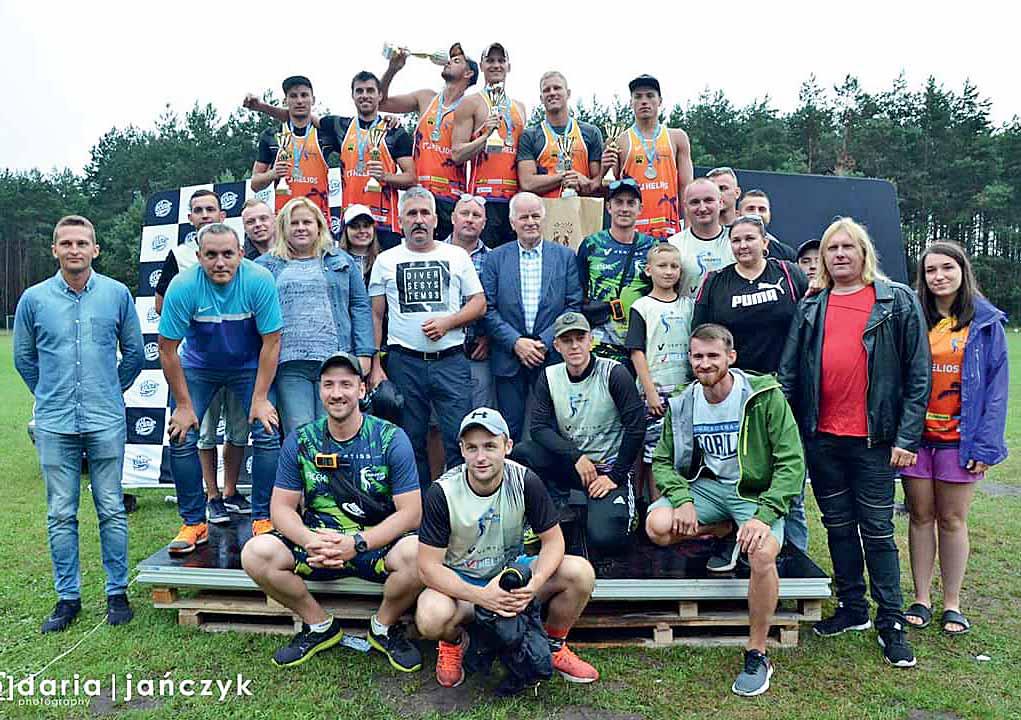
441	112
649	148
299	150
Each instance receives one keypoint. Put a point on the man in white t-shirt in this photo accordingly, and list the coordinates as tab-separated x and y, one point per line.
430	291
704	243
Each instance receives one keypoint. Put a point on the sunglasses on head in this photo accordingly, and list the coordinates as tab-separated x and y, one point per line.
626	182
468	197
751	219
723	170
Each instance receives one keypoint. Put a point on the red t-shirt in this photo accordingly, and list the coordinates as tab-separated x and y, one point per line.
845	372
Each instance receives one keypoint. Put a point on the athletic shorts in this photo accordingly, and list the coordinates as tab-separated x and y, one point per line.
653	430
940	463
224	404
369	565
717	501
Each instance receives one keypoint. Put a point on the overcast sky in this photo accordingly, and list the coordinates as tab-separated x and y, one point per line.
74	70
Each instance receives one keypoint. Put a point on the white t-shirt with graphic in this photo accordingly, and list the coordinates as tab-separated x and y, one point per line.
716	429
700	257
420	286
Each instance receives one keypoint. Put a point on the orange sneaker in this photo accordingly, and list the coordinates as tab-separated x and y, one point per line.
572	667
188	537
449	672
261	527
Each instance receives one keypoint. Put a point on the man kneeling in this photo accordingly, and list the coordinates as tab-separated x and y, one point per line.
355	476
472	527
707	476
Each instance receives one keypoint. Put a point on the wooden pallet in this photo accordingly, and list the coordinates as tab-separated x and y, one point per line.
604	624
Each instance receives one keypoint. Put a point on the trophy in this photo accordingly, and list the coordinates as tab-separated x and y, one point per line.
436	58
612	131
497	96
376	135
565	162
285	153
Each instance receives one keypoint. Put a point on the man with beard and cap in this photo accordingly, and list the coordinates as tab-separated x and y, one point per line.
494	168
433	145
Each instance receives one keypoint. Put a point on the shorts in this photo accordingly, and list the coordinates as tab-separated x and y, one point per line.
940	463
480	582
227	406
653	430
369	565
717	501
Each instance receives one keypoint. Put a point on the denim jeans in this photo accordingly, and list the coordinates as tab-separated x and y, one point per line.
444	385
796	524
296	394
235	422
483	391
60	456
184	459
512	395
854	486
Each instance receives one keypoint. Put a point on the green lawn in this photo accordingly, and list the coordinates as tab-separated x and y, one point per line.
837	678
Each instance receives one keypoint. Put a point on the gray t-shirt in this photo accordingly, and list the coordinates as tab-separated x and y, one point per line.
716	429
309	331
533	140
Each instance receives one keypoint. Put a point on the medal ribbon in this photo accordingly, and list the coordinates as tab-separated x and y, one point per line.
363	142
648	146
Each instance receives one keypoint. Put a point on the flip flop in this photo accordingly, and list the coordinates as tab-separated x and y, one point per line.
953	616
921	612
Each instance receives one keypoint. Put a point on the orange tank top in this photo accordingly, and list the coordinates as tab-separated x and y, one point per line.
943	415
550	158
495	176
354	153
434	167
660	216
309	173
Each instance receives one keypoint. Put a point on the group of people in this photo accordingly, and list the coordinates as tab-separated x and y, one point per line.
683	358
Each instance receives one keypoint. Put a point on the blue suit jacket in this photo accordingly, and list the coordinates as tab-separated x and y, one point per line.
505	315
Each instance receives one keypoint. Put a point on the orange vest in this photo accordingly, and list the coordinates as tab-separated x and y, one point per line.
308	173
434	167
382	204
549	158
496	176
943	415
660	215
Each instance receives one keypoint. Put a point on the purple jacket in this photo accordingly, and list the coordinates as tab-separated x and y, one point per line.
984	382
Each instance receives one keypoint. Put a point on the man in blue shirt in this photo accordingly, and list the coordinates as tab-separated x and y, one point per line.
227	310
66	333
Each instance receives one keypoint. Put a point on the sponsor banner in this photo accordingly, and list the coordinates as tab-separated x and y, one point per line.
145	307
149	390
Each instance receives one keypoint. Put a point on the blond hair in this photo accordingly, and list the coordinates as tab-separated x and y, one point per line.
659	249
870	271
324	241
74	221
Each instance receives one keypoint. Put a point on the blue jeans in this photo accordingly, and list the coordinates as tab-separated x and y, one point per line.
296	394
184	458
483	391
796	527
444	385
60	456
512	395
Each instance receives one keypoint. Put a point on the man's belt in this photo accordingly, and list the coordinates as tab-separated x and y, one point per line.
439	355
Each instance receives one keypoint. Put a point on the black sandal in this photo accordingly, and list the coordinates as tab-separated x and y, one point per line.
953	616
921	612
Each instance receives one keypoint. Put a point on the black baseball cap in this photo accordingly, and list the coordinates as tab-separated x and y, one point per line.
622	186
294	81
342	358
644	81
495	46
804	247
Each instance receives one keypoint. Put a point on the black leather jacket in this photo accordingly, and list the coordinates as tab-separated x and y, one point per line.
899	379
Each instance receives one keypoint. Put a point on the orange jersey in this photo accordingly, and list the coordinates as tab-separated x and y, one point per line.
434	167
943	415
549	158
496	175
308	173
660	216
382	204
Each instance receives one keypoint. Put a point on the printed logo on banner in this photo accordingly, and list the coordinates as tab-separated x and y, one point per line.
192	236
151	316
145	270
228	200
334	187
152	351
423	286
140	463
159	243
154	278
145	426
162	208
148	388
335	225
232	197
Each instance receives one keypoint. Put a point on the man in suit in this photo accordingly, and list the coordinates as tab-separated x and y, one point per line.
528	284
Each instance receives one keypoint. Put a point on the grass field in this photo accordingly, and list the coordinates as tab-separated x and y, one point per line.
836	678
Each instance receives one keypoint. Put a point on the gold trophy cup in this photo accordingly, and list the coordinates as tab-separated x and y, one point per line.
612	131
376	136
565	143
497	96
436	58
285	153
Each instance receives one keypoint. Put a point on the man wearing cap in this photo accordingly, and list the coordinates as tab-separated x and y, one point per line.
588	427
473	525
808	258
756	202
494	170
657	157
354	476
433	145
528	284
541	169
611	267
260	228
421	286
704	243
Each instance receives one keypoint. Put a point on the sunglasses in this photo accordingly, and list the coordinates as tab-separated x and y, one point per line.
750	219
723	170
468	197
626	182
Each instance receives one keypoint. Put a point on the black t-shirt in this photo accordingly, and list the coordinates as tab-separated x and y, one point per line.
780	250
168	273
329	142
435	529
758	312
397	140
533	141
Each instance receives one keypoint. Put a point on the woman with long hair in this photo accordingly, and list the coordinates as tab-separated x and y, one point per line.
964	427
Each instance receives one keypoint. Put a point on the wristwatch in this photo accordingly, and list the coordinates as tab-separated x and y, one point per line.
360	544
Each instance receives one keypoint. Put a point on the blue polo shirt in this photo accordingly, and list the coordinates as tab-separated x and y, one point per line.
222	325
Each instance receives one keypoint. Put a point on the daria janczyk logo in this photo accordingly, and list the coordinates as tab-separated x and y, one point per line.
77	690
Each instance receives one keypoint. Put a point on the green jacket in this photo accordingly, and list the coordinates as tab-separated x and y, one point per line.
770	455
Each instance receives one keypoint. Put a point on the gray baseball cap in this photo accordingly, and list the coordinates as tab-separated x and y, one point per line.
487	418
570	321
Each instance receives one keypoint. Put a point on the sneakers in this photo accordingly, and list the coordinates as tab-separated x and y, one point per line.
572	667
216	511
261	527
188	537
449	672
237	503
403	654
896	649
754	679
118	612
63	613
306	644
840	622
725	553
